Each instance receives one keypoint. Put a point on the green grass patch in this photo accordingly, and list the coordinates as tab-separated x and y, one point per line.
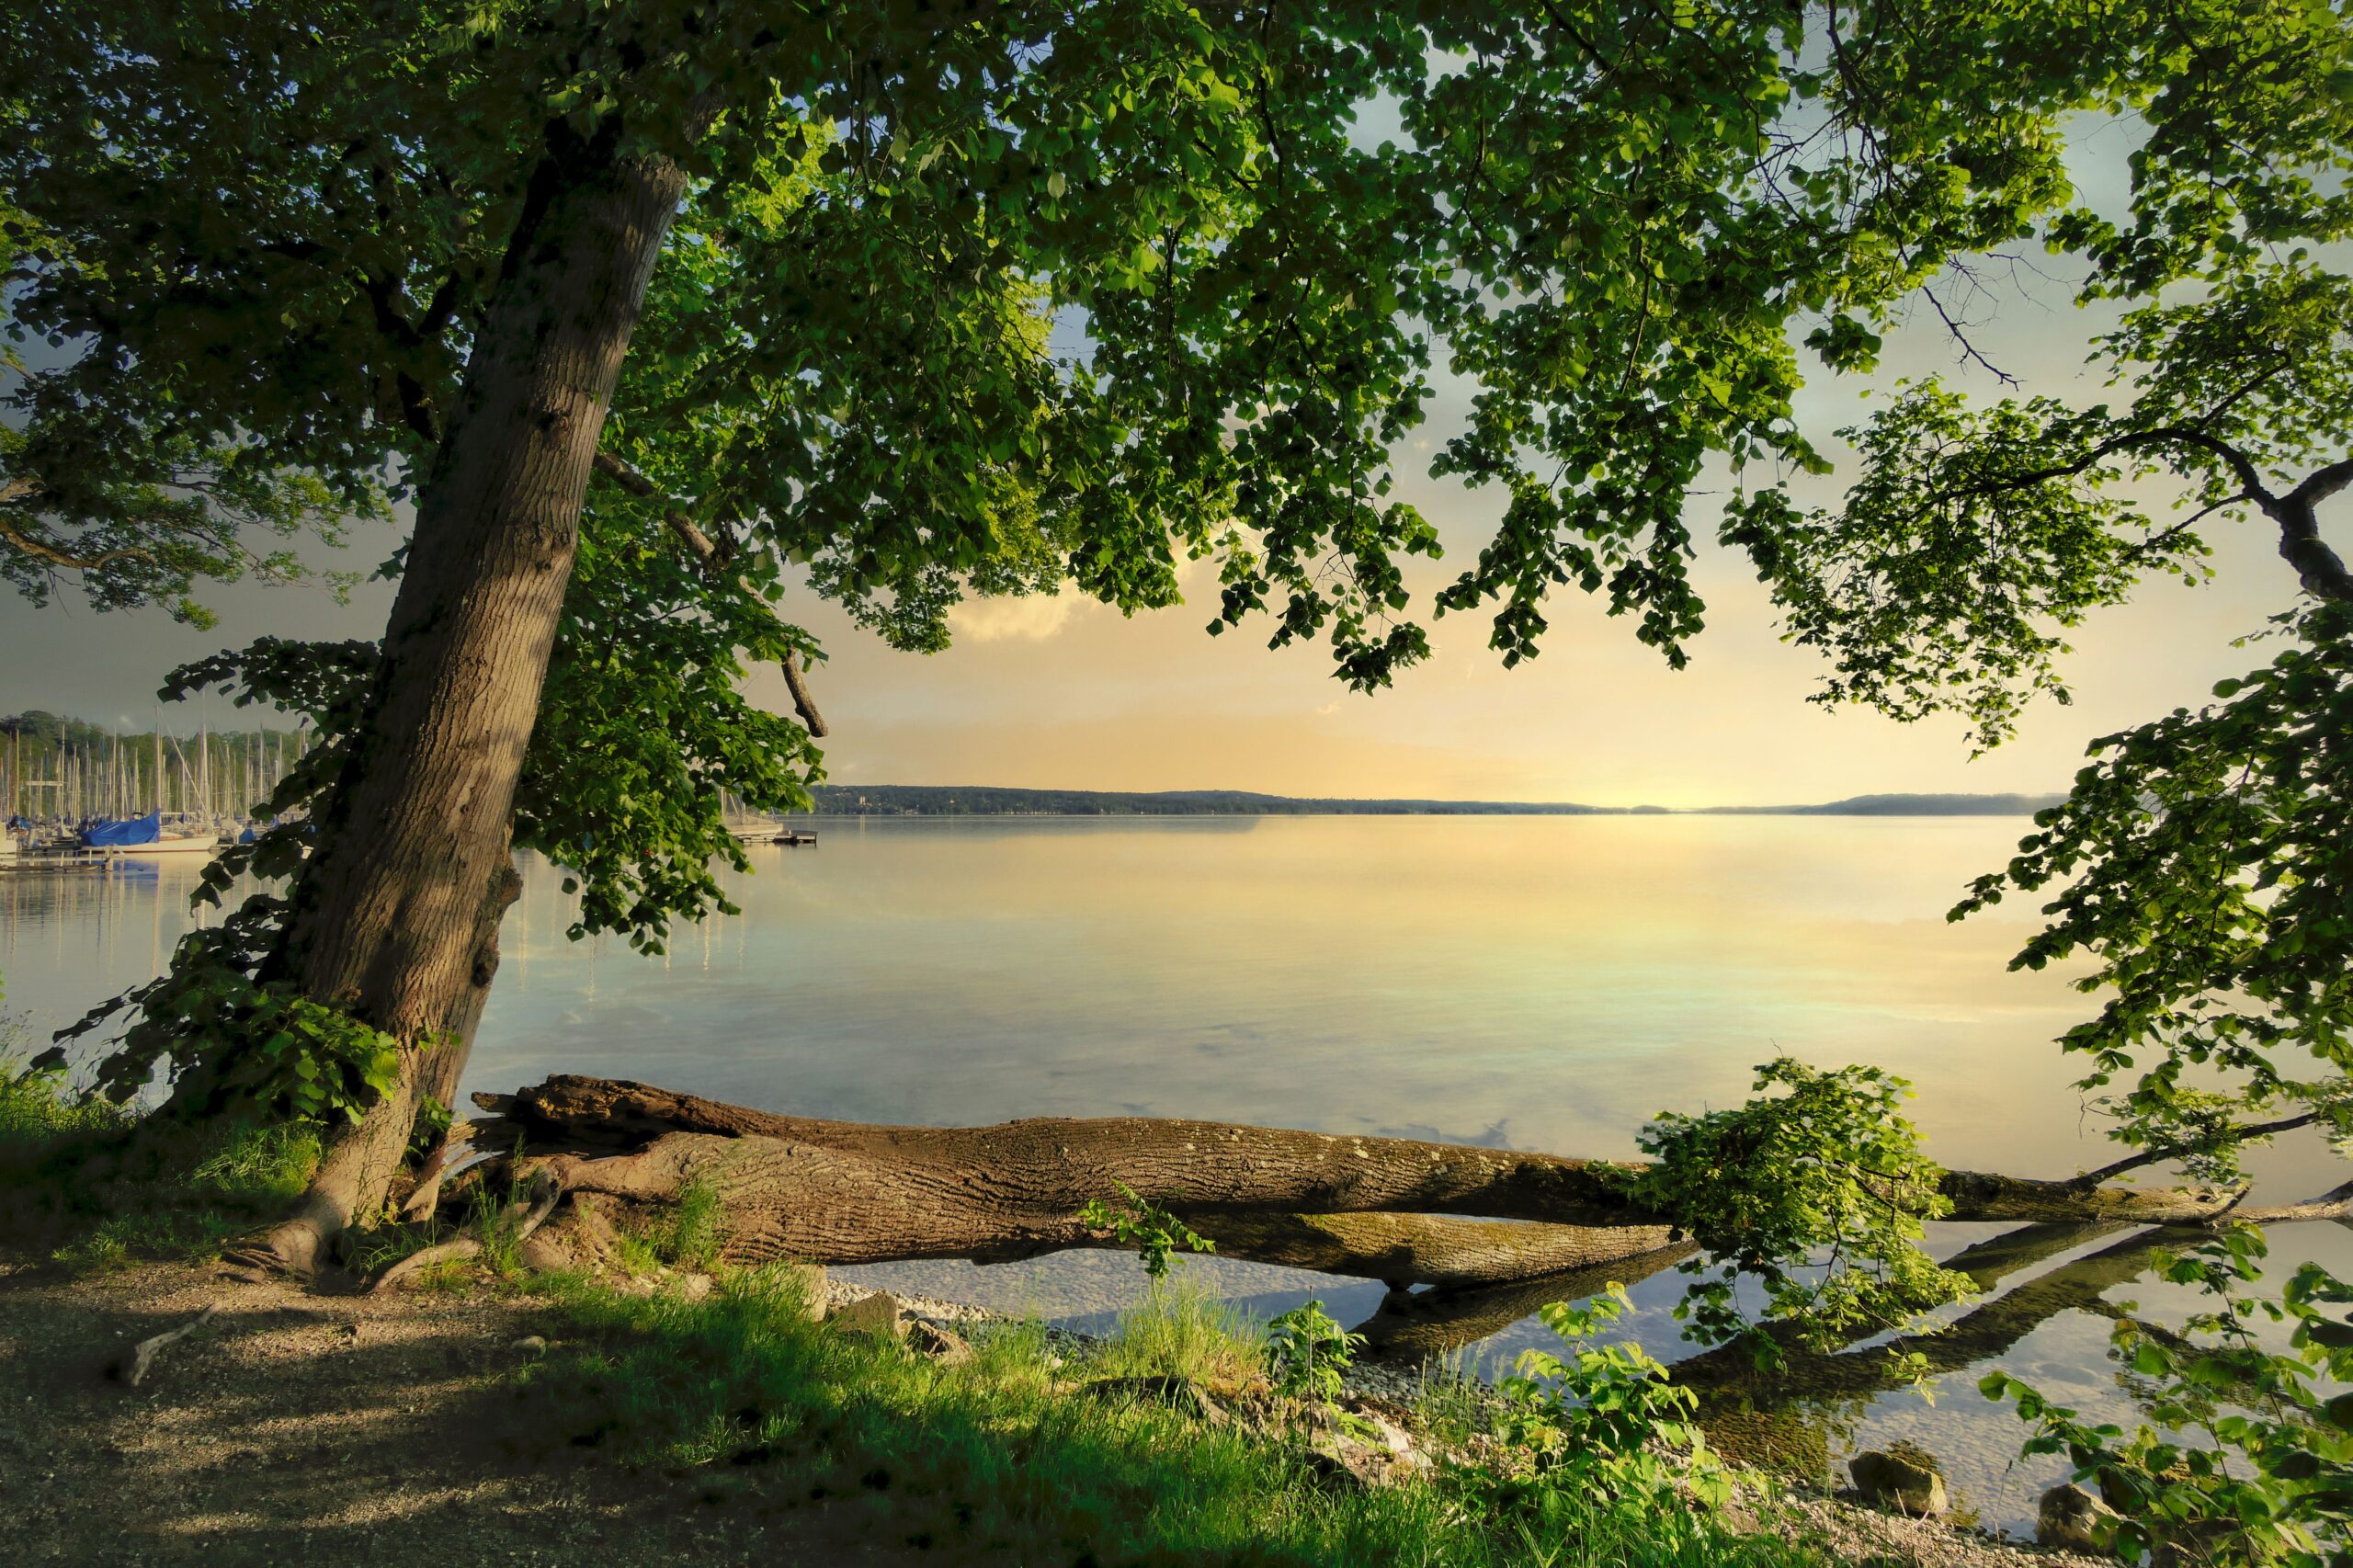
97	1187
997	1457
1182	1329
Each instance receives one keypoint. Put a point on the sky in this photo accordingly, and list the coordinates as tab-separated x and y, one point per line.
1066	693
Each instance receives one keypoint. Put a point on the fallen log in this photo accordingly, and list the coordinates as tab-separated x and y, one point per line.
1410	1328
1059	1164
1203	1169
811	1203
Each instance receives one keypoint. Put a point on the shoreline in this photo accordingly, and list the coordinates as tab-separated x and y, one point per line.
382	1429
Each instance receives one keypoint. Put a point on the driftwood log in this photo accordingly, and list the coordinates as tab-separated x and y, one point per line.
1488	1233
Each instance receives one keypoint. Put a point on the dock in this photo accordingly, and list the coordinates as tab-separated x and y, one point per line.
764	833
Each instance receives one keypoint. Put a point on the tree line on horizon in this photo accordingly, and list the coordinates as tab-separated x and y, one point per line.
950	799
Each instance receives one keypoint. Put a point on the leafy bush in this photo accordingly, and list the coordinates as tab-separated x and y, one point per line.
1818	1192
1602	1428
1307	1353
1139	1222
2250	1458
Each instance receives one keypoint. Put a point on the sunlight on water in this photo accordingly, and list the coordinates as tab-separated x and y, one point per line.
1540	982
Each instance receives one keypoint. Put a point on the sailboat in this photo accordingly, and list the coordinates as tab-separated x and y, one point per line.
144	836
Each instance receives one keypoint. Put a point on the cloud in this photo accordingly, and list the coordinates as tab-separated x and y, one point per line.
1030	619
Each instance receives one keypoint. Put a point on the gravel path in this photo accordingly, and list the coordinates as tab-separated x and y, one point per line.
296	1428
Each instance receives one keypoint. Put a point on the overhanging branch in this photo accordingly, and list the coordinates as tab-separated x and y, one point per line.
714	559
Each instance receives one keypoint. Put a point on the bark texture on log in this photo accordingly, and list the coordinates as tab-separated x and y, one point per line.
1058	1164
814	1204
1206	1167
1412	1326
1495	1234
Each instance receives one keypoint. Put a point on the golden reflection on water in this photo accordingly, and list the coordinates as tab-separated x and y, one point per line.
1548	982
1545	983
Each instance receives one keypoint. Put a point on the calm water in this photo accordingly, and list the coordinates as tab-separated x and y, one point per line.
1537	983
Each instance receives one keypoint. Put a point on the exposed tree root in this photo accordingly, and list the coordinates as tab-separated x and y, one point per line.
418	1262
132	1369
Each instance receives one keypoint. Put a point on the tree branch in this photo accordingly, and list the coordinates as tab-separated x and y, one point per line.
41	549
630	477
2174	1151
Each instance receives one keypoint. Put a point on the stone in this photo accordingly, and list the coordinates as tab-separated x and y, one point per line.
879	1315
2072	1518
812	1276
1907	1483
944	1346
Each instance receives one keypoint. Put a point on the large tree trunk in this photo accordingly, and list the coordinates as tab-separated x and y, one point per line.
395	918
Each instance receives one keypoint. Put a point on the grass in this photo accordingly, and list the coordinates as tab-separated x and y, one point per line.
1183	1330
684	1234
97	1187
994	1457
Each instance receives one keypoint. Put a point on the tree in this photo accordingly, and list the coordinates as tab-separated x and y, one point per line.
648	306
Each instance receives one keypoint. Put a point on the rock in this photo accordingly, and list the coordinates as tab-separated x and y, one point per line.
1360	1446
944	1346
879	1314
693	1287
812	1287
1386	1458
2072	1518
1907	1483
1736	1517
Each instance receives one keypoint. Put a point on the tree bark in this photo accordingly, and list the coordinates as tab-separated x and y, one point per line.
395	917
1204	1167
1492	1233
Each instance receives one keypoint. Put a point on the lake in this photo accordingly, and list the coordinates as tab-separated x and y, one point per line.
1538	983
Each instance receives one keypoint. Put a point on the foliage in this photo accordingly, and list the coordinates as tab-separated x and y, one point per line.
2250	1458
2203	862
1818	1192
1137	1222
1606	1428
98	1188
253	250
1946	577
1974	537
994	1455
261	1050
1184	1330
162	515
1308	1353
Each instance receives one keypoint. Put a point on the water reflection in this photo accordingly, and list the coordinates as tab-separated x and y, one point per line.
1545	983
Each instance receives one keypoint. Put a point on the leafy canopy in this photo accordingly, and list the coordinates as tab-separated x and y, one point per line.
1816	1188
995	299
1008	298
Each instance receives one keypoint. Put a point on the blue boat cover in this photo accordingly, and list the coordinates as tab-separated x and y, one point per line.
124	832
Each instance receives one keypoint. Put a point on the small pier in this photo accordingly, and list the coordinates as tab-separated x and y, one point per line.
772	833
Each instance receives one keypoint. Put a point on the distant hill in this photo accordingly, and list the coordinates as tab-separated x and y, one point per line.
1905	806
991	801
